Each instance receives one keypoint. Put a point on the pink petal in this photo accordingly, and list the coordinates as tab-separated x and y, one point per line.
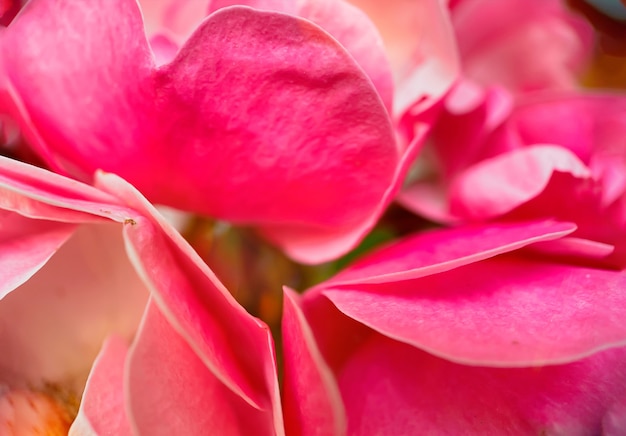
172	391
237	156
419	39
498	185
26	245
77	92
348	24
522	45
318	245
391	388
442	250
177	17
312	403
85	292
38	193
198	306
275	171
614	422
102	408
501	311
354	30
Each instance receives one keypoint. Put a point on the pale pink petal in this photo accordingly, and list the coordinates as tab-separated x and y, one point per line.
524	45
393	389
52	326
312	403
442	250
429	199
164	48
498	312
38	193
285	6
177	17
419	38
26	245
198	306
103	408
172	391
498	185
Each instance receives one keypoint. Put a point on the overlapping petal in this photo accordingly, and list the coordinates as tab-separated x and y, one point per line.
312	402
557	155
97	284
392	388
470	330
298	137
420	42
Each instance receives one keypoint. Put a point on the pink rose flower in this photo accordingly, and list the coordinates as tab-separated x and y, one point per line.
260	118
468	331
551	156
85	265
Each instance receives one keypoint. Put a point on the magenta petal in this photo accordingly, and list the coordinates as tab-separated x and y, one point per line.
320	168
438	251
614	422
346	23
393	389
501	311
80	82
102	408
312	403
172	391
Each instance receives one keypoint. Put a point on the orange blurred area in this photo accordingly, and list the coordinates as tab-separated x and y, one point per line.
31	413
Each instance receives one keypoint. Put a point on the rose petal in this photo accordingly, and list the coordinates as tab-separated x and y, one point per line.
74	87
498	312
323	170
197	305
177	17
392	388
348	24
168	380
419	38
26	245
275	170
498	185
312	403
102	408
442	250
52	326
